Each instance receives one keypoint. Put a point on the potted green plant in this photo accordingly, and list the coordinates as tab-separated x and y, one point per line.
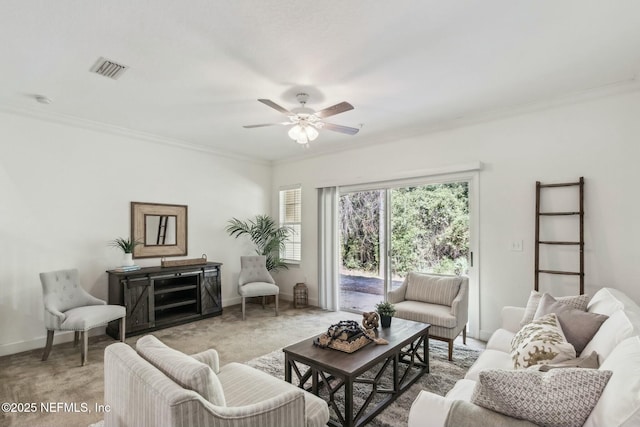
268	238
126	245
386	310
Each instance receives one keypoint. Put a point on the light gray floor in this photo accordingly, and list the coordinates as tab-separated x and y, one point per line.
25	378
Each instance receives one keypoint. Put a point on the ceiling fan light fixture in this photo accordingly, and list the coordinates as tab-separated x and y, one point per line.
303	134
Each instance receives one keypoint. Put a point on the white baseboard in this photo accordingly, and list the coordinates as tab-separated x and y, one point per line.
63	337
39	342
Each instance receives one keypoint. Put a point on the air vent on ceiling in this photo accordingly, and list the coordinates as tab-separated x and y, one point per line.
108	68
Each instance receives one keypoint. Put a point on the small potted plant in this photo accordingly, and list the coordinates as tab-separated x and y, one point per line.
386	310
126	245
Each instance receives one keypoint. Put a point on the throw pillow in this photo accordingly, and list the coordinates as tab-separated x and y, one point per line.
182	369
558	398
587	362
578	326
541	341
576	301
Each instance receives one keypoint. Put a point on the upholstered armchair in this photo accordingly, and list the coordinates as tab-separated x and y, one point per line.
68	307
157	386
441	300
255	280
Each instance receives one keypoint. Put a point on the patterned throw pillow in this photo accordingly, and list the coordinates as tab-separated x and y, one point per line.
541	341
578	302
558	398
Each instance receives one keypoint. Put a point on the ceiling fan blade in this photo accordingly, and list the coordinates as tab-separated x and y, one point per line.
275	106
267	124
339	128
335	109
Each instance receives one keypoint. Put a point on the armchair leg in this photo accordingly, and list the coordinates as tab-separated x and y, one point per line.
122	328
242	308
450	350
264	298
85	347
277	304
76	338
47	348
464	335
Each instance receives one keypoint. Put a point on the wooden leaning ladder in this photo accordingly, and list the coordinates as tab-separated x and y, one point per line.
580	243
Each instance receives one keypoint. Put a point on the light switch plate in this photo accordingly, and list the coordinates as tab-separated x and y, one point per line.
516	246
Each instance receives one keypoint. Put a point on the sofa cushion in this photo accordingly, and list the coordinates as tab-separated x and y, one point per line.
245	385
501	340
541	341
463	413
575	301
587	362
432	288
489	359
181	368
619	405
462	390
608	300
613	331
435	314
578	326
561	397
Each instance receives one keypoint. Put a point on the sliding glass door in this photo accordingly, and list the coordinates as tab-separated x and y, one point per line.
387	232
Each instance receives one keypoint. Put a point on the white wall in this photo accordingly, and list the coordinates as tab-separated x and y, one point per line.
597	139
65	192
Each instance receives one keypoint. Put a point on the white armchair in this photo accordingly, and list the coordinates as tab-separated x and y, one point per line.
68	307
438	299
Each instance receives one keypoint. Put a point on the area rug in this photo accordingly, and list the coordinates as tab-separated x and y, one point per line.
442	377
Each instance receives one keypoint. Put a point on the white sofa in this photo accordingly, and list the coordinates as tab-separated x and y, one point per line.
617	344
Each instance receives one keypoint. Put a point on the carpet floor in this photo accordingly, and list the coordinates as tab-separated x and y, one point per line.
24	378
442	377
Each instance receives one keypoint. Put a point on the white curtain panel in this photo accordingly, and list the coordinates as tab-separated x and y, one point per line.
328	251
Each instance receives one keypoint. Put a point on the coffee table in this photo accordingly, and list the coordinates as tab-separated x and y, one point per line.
328	371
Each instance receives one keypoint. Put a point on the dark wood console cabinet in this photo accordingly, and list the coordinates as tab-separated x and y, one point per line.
159	297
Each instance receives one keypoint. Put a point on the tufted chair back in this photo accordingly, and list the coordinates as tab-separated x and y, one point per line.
254	269
61	292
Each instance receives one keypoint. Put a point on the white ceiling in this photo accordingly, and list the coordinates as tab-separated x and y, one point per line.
197	67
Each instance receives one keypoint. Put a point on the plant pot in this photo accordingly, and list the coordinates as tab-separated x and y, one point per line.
385	321
127	259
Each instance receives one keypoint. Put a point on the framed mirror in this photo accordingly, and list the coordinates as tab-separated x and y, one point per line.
161	228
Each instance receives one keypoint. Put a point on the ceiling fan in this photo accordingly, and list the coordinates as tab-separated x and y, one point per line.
305	121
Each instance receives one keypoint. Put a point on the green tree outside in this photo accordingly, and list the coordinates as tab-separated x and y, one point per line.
429	227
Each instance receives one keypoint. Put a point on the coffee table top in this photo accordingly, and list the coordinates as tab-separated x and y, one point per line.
400	333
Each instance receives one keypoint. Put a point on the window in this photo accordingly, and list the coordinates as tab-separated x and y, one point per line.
291	216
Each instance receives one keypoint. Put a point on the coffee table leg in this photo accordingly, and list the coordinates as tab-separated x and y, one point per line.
287	368
348	402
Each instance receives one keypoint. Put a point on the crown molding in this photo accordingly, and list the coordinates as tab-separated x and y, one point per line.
95	126
610	90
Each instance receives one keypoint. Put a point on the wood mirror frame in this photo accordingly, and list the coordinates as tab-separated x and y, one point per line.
177	246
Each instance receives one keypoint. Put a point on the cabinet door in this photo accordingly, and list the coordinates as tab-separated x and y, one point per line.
211	291
136	299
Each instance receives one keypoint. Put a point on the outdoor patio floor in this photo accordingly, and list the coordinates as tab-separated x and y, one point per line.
361	293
